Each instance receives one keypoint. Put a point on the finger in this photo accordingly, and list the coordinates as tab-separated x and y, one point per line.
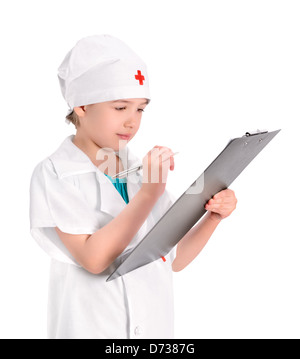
224	193
172	164
222	213
155	151
167	156
160	163
219	206
222	200
156	154
162	152
213	206
162	147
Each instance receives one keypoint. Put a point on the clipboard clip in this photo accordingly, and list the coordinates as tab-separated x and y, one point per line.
257	132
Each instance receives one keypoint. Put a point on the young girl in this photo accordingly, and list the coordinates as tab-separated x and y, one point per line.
87	222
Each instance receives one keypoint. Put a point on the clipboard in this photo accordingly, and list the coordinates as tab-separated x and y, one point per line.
189	207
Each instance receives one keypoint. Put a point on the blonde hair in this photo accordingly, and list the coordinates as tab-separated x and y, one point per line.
72	117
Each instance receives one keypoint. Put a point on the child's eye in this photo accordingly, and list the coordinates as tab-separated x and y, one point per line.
123	108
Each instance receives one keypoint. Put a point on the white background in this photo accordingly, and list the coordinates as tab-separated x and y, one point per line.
216	69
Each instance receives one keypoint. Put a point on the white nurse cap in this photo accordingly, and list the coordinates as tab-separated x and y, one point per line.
102	68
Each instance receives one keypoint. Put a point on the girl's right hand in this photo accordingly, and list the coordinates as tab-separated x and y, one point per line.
156	166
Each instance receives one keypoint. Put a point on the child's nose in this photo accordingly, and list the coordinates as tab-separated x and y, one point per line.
131	120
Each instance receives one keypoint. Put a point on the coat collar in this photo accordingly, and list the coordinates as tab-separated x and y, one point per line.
69	160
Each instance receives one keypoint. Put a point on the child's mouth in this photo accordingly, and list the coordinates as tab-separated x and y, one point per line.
124	137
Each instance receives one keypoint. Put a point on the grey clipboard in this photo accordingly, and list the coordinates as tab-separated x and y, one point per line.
189	207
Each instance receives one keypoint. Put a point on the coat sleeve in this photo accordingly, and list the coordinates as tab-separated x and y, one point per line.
58	203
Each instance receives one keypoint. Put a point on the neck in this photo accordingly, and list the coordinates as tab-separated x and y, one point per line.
106	160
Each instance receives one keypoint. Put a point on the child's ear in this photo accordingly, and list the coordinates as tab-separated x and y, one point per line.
80	111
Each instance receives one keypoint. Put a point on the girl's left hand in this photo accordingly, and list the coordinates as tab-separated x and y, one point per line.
222	204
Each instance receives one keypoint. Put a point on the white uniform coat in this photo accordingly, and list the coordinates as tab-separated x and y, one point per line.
68	191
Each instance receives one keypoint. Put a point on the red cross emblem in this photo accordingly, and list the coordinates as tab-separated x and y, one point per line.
140	77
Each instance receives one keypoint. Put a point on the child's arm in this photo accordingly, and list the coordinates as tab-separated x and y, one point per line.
97	251
220	206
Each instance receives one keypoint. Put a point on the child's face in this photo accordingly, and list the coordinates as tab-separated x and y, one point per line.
106	122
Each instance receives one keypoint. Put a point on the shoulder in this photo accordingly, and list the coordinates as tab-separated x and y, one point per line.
42	175
44	167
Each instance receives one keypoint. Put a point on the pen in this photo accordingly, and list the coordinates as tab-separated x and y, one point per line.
132	170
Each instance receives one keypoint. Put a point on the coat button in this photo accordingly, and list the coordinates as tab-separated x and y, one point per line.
137	330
